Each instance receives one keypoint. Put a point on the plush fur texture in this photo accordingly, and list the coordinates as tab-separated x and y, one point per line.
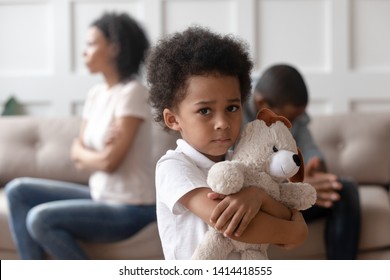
265	156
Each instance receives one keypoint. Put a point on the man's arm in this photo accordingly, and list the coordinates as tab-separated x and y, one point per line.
326	184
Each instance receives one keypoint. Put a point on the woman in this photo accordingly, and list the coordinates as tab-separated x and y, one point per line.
50	216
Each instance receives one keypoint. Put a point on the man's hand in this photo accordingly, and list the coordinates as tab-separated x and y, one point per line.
326	184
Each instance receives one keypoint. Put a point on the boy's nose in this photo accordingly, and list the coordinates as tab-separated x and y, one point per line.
221	122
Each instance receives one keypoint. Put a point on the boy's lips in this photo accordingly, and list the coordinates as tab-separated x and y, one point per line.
222	140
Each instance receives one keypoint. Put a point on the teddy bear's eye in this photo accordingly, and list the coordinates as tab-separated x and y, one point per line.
275	149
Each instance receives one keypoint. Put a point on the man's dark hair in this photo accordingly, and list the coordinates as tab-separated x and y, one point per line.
282	84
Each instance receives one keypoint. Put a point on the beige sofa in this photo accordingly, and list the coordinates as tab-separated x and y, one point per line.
356	145
39	147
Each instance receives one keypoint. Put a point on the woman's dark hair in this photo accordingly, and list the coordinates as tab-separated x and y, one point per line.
130	38
282	84
196	51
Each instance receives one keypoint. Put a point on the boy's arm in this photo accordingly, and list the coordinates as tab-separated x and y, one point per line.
263	228
234	212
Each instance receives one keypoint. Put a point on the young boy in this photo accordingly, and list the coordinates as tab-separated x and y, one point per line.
198	83
282	89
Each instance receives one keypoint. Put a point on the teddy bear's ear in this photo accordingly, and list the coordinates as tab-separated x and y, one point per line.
301	172
269	117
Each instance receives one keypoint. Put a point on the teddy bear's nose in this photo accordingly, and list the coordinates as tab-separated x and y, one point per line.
297	160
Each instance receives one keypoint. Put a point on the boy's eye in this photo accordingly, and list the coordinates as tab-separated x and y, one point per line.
204	111
233	108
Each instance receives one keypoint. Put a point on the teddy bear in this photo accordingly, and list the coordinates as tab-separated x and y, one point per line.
266	156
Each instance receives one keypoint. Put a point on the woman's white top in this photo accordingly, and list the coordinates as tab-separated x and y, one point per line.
133	181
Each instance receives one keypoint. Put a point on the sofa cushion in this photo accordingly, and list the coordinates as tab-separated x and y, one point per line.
375	224
354	142
39	147
145	244
375	228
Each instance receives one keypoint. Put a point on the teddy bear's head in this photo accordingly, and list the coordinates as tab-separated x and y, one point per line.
268	145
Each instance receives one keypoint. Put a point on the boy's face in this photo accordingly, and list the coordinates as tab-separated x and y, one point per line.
209	117
289	111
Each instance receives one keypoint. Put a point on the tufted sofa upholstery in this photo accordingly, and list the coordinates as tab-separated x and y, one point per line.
39	147
355	145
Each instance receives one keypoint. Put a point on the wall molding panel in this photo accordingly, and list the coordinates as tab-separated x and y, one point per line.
26	47
341	46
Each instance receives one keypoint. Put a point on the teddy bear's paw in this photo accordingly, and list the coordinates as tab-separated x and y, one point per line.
298	196
214	246
225	177
254	255
309	196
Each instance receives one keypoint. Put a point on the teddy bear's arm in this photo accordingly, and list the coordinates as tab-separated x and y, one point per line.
262	180
298	196
214	246
226	177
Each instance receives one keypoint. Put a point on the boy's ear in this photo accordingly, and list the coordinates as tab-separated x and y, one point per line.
259	100
170	120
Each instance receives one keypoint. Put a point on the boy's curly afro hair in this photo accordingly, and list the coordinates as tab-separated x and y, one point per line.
195	51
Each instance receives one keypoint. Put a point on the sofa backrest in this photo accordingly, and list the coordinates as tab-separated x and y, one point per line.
163	141
356	145
38	147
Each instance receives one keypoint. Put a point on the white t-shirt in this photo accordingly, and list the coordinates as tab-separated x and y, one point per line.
133	181
179	172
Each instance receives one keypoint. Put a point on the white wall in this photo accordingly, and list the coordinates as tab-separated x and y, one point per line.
341	46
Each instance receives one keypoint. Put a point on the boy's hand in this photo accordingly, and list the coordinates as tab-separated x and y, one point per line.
215	196
233	214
